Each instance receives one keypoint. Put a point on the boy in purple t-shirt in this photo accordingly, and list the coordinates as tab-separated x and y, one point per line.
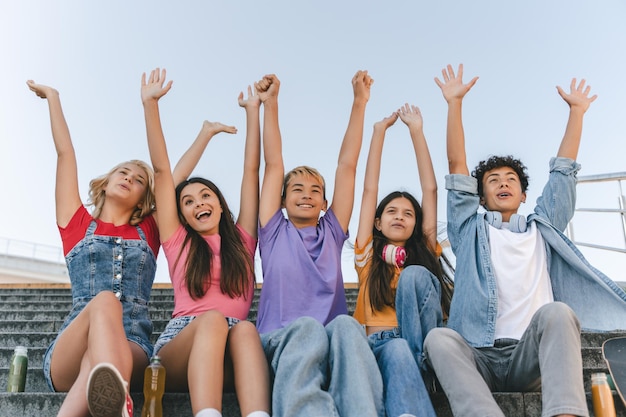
319	355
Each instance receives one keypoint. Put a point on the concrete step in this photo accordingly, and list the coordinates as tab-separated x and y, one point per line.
16	326
177	404
35	381
66	306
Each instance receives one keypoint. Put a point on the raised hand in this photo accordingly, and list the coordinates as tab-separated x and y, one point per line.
253	99
452	85
361	84
213	128
154	89
267	87
411	116
387	122
42	91
578	96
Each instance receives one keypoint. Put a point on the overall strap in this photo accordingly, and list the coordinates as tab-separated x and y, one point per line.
92	228
141	233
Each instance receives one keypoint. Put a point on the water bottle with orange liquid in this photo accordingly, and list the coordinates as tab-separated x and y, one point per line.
153	389
601	396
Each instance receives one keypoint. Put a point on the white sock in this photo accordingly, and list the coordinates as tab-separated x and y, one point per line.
258	414
208	412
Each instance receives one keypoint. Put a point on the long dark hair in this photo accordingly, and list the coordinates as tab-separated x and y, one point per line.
418	253
237	262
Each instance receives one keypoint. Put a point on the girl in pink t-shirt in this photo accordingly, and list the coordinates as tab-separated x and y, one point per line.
208	344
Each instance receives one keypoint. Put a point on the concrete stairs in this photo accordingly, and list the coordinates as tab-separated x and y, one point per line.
31	316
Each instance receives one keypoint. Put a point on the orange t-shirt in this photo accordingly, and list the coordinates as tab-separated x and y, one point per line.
363	312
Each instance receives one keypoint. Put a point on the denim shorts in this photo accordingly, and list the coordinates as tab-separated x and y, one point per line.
177	324
138	336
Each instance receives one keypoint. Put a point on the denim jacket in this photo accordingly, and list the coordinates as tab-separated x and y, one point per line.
599	303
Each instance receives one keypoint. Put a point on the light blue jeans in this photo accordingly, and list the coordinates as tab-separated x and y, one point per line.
404	391
323	371
547	357
418	308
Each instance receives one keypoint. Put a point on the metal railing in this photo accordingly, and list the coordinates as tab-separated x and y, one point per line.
23	249
617	180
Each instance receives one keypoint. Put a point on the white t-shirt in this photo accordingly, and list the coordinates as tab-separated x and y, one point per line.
522	279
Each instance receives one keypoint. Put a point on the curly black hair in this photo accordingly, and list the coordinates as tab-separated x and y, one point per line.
498	162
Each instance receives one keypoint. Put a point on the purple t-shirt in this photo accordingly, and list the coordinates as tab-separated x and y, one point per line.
301	272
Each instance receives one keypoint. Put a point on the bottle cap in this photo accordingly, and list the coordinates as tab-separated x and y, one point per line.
21	350
598	377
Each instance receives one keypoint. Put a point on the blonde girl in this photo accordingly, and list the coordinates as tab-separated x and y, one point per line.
111	253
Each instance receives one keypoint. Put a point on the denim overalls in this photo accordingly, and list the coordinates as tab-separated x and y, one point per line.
108	263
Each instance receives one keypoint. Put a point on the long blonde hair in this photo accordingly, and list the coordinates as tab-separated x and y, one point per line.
144	208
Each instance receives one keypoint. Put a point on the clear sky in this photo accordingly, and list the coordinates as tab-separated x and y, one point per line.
95	52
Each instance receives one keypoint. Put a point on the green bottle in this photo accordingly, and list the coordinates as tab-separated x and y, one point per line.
17	371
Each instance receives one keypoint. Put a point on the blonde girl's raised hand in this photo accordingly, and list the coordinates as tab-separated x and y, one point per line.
452	85
411	116
154	88
67	196
42	91
213	128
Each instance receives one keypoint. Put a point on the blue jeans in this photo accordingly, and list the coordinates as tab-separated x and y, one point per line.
404	391
323	371
418	308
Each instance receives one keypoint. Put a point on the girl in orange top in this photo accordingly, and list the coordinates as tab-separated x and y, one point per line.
401	281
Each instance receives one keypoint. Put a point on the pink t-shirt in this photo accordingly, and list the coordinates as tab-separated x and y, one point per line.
213	299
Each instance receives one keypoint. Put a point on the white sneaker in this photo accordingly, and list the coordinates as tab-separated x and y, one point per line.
106	393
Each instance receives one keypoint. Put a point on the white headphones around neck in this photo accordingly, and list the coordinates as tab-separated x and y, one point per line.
394	255
517	222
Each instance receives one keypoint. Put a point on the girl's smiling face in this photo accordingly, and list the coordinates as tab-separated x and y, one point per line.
201	208
397	221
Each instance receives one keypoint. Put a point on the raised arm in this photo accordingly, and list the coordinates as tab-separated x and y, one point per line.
67	196
453	91
578	100
372	176
267	89
249	202
166	214
188	162
343	195
412	117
